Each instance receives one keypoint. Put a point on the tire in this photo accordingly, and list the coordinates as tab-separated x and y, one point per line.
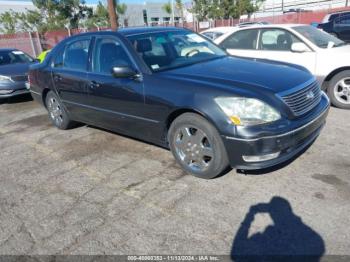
339	90
197	146
57	113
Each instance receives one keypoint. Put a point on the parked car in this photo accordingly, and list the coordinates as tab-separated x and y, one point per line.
322	54
14	65
174	88
216	32
337	24
244	24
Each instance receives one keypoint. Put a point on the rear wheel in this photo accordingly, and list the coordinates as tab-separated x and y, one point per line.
197	146
57	112
339	90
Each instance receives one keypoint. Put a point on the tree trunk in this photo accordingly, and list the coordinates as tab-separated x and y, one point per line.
112	15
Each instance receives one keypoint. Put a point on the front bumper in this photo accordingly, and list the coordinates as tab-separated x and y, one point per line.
288	144
13	89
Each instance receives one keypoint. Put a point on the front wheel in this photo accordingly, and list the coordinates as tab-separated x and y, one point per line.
57	112
339	90
197	146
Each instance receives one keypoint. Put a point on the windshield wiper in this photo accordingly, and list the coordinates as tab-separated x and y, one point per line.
340	44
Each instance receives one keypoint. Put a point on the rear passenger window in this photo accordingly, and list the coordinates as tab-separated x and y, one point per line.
245	39
76	55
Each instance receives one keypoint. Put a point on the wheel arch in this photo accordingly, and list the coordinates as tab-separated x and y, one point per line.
44	94
180	111
335	72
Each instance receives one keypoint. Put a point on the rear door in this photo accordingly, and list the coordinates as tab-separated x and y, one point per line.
242	43
69	75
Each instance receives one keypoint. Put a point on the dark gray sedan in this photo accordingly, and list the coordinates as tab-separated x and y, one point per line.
14	65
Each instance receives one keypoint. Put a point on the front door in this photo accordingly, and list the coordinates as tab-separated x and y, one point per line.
115	103
275	44
272	44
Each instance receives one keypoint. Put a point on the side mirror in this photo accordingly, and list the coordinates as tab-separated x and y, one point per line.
124	72
299	48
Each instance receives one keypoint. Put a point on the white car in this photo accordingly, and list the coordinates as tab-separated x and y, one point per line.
214	33
325	56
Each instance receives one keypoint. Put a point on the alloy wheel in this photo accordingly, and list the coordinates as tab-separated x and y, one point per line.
342	91
193	148
55	111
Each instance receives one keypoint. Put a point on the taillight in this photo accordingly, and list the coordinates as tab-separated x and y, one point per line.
30	78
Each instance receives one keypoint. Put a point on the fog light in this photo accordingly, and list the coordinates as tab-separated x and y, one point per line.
261	157
5	91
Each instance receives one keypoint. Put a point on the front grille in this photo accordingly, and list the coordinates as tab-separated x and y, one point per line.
303	100
20	78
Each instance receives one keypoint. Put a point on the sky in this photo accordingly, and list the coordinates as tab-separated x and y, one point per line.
96	1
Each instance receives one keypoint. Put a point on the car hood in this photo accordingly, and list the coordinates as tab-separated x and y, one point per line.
344	50
236	72
14	69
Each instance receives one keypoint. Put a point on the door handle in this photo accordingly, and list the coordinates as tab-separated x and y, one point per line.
94	84
57	78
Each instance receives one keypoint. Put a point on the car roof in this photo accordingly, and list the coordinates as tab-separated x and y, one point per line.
221	29
254	26
8	49
273	26
142	30
131	31
339	12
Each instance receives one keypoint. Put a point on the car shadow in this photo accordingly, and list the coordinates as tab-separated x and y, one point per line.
16	99
126	136
288	239
225	171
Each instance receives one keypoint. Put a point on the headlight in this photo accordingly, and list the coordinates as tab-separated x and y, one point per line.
5	78
247	111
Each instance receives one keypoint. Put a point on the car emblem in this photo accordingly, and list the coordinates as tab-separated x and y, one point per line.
310	95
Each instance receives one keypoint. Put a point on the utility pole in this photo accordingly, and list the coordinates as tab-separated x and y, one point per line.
172	12
112	15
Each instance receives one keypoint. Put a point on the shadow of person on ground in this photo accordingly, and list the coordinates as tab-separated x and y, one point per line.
288	239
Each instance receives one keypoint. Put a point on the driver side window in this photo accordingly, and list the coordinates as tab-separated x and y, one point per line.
276	40
108	53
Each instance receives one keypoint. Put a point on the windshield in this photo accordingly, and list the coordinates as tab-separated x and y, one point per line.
318	37
14	56
212	35
171	49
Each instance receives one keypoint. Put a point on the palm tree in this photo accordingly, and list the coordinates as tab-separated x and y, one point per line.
121	10
180	6
167	8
